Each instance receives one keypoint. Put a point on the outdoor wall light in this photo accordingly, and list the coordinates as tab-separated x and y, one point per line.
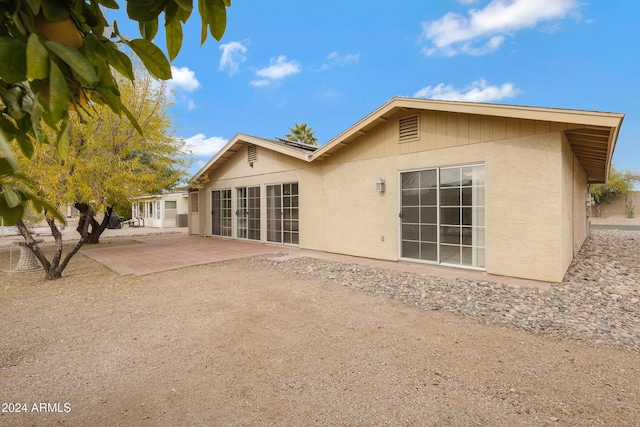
380	185
251	164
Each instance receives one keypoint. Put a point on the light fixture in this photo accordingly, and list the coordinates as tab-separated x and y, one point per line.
380	185
251	164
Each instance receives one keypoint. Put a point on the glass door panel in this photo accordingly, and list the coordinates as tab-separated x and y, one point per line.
283	214
221	222
253	207
242	213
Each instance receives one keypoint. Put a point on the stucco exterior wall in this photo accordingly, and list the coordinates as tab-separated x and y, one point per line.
533	184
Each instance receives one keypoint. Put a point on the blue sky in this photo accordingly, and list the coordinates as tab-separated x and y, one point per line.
329	63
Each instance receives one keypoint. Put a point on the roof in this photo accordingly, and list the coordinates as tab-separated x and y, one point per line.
283	146
592	134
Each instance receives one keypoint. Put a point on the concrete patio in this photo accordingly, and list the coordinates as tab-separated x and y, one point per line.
158	253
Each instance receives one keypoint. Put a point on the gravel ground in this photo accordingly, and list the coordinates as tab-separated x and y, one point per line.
254	342
598	300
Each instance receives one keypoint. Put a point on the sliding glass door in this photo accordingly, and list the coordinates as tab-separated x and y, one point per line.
248	213
221	213
442	215
283	214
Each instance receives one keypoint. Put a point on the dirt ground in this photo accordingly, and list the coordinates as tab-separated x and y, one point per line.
240	343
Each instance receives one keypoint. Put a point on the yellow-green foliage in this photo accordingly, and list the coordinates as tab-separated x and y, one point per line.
109	161
620	182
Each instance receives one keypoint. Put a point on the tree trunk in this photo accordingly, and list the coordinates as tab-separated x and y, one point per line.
94	229
52	270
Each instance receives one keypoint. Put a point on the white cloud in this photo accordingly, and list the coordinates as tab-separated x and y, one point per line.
278	69
478	91
232	57
200	145
484	30
183	78
336	59
349	58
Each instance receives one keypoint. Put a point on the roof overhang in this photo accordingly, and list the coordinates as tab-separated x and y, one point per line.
240	140
592	134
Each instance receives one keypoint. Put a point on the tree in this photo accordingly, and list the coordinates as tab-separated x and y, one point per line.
56	55
109	163
302	133
620	182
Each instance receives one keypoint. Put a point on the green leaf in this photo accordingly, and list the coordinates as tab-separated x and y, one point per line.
53	12
145	10
171	12
149	29
110	98
11	216
37	59
152	58
36	114
13	60
75	60
111	4
11	196
62	145
41	205
227	3
174	38
132	119
58	93
26	146
185	4
8	164
6	168
13	102
120	61
214	15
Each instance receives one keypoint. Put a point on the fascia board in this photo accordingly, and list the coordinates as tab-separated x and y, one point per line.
242	138
581	117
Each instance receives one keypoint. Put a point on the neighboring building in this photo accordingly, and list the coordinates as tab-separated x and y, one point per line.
496	188
160	210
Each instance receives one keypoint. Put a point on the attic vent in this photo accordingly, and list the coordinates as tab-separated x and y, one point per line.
252	153
408	128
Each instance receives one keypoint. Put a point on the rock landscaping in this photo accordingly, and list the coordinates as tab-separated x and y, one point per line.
598	300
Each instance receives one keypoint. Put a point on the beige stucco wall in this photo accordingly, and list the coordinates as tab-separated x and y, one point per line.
531	182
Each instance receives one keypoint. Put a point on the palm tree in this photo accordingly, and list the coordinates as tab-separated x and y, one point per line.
302	133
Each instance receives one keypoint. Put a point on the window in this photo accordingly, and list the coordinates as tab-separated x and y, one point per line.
158	210
170	204
408	128
443	211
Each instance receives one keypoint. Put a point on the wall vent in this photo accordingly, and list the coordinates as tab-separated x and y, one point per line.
408	129
252	153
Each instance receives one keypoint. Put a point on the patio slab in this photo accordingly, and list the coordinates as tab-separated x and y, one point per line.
154	254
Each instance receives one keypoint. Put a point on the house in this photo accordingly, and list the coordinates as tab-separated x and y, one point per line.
160	210
497	188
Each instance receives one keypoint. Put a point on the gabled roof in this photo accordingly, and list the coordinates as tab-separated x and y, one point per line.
593	140
592	135
283	146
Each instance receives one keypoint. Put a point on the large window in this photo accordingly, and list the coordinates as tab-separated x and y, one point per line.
221	213
443	212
